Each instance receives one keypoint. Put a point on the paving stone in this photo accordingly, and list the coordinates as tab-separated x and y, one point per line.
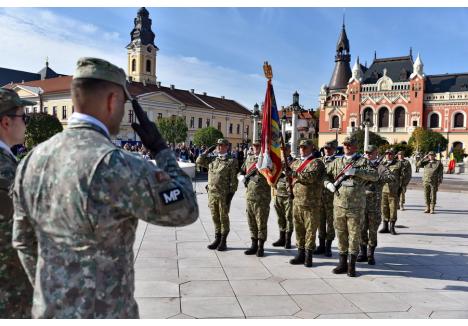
201	273
325	303
247	273
354	285
377	302
194	249
215	307
292	272
156	308
206	289
156	289
449	315
343	316
181	316
257	287
306	315
432	300
156	262
157	252
260	305
307	286
157	274
199	262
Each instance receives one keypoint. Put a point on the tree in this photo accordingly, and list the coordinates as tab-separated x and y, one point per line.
41	127
173	129
405	148
423	140
374	139
207	136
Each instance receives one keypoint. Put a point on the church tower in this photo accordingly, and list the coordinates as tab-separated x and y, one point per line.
342	71
142	50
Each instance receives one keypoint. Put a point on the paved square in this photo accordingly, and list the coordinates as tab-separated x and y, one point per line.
420	273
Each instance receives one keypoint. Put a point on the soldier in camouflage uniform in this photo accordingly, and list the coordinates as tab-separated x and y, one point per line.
81	197
308	174
349	174
390	192
283	206
222	184
258	202
326	229
432	178
16	292
405	180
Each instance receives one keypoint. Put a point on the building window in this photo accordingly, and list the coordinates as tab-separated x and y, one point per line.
219	126
353	124
383	117
399	117
415	123
247	130
207	122
64	112
230	128
148	65
335	122
54	111
73	109
458	120
35	109
45	110
200	122
192	122
368	114
133	65
434	120
238	129
130	116
159	116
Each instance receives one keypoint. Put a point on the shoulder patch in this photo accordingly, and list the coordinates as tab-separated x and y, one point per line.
171	196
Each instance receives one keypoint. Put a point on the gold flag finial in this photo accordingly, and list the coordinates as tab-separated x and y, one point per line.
267	70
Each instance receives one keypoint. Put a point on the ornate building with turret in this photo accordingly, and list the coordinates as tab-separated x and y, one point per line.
395	95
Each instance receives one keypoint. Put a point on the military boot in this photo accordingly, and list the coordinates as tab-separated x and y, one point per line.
352	266
222	244
287	244
384	228
260	248
428	209
370	255
402	207
392	228
299	259
432	209
281	241
342	265
362	254
321	248
328	251
216	242
308	258
253	247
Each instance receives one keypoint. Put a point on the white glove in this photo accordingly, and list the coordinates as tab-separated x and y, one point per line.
351	172
331	187
241	177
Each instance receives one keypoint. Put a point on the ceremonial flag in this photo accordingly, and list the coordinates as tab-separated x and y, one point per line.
269	160
451	165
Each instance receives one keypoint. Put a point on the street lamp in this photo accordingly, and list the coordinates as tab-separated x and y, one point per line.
255	117
366	124
296	109
284	120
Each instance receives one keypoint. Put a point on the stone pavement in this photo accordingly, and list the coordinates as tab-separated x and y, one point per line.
420	273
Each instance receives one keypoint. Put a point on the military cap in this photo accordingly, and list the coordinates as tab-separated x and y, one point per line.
371	148
222	141
101	69
350	140
306	142
287	145
431	153
256	143
330	144
10	100
390	151
401	153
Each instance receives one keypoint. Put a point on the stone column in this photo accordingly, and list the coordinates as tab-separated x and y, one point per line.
294	134
255	128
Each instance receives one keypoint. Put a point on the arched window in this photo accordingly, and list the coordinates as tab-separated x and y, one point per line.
368	114
148	65
458	120
434	120
399	117
457	144
133	65
335	122
383	117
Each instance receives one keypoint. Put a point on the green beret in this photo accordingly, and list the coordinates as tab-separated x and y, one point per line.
10	100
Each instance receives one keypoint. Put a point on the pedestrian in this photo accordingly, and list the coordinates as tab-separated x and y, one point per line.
80	197
405	179
222	185
432	178
16	293
350	174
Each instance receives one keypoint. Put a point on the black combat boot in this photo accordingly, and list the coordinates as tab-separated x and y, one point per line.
352	266
253	247
362	254
281	241
342	265
432	211
287	243
260	248
308	258
328	251
392	228
216	242
370	255
222	244
428	209
299	259
384	228
321	248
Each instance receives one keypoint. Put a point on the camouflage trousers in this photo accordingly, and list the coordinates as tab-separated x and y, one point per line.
370	221
283	208
389	207
430	193
326	229
348	229
402	193
306	222
219	212
257	216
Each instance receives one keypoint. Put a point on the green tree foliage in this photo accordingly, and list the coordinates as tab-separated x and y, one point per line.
41	127
173	129
458	154
207	136
374	139
423	140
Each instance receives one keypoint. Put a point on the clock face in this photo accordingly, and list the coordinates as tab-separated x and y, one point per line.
148	49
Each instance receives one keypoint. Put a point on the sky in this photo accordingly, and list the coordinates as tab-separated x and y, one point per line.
221	50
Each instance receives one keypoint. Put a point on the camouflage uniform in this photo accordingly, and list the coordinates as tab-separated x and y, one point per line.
390	191
326	229
405	180
81	197
432	178
283	204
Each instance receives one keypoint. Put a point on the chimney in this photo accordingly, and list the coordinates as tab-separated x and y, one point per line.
192	90
222	97
172	87
204	93
158	84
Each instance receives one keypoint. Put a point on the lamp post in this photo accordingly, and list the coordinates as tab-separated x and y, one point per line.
366	124
255	116
295	108
284	120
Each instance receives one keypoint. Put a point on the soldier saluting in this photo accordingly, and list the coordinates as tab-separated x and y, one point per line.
81	197
432	178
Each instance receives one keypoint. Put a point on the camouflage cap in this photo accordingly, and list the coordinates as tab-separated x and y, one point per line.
101	69
390	151
330	144
371	148
401	153
431	153
350	140
306	142
10	100
222	141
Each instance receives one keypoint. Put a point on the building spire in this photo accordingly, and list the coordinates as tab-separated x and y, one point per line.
411	52
342	72
375	55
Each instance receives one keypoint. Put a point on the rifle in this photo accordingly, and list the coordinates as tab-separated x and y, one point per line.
286	168
342	175
248	176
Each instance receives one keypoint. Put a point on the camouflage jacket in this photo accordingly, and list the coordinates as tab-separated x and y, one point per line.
351	194
407	172
81	197
15	290
433	171
308	183
258	188
282	187
222	174
326	194
396	168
